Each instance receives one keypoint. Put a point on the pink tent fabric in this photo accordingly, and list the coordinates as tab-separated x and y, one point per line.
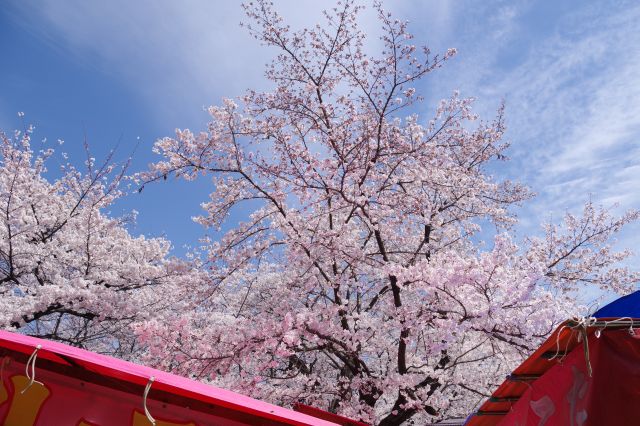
67	361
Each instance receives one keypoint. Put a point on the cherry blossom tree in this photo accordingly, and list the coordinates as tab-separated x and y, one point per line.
68	272
356	282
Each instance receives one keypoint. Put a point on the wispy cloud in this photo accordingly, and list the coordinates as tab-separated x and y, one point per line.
574	108
571	82
570	74
572	91
179	56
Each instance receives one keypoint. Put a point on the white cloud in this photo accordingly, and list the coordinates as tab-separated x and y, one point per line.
575	103
572	86
572	91
573	107
571	81
180	56
573	100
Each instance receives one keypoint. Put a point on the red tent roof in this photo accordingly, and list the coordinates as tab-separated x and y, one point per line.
568	336
126	376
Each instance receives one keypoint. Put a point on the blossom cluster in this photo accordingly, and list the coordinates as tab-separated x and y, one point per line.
357	284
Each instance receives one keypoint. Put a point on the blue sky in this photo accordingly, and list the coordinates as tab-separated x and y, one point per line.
119	70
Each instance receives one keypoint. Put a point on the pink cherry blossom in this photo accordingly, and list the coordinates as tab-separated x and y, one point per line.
357	284
68	271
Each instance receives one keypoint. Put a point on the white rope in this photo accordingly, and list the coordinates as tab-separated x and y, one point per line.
583	325
593	308
585	322
32	362
622	319
144	402
585	347
558	344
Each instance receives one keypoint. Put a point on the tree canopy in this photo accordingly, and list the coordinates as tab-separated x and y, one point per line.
357	284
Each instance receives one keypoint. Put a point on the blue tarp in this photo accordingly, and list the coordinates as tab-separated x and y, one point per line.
626	306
